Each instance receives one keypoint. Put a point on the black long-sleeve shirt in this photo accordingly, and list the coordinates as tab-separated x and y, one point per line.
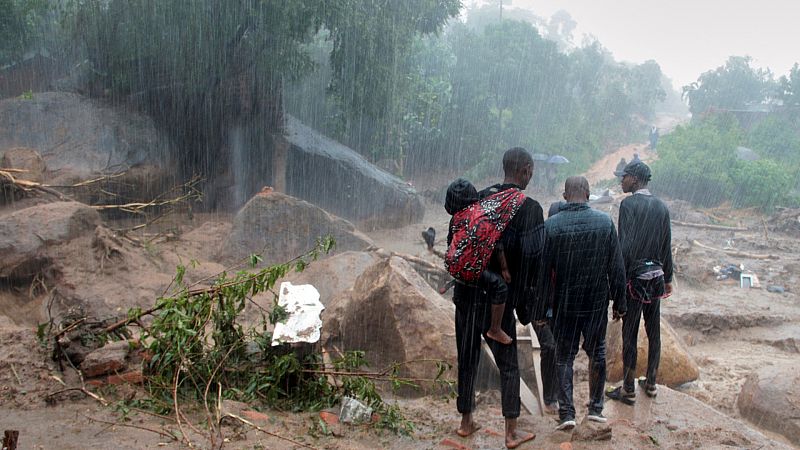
523	245
645	232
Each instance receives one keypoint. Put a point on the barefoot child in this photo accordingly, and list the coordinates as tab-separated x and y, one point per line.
460	195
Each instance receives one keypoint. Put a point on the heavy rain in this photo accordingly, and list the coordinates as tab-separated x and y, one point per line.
399	224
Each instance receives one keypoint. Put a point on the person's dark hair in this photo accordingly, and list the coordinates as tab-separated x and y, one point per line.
460	194
515	159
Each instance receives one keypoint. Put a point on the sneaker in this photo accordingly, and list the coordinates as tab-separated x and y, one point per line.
621	394
596	417
650	389
565	425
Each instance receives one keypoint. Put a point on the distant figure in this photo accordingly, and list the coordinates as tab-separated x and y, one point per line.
620	167
583	270
523	242
635	159
461	194
645	237
653	138
552	178
429	236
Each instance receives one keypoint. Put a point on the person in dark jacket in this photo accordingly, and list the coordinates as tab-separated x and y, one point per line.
645	237
583	270
523	242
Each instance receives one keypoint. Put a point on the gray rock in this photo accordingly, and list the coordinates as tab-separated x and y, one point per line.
280	227
80	138
24	234
770	398
25	159
333	176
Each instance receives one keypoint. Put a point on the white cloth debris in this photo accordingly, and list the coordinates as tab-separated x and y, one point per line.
303	305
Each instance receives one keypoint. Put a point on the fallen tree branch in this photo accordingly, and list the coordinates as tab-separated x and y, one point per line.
88	393
735	252
162	433
705	226
247	422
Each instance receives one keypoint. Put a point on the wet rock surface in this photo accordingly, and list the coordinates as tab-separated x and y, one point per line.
395	316
26	159
770	398
676	367
333	176
26	233
280	227
79	137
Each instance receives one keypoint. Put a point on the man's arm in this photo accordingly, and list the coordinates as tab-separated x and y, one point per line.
616	275
666	253
531	241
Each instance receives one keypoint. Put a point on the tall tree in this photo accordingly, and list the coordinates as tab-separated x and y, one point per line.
734	85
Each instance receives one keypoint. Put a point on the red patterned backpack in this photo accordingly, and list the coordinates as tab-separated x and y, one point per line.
476	229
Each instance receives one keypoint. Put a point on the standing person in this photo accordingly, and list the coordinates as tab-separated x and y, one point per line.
618	171
583	269
653	138
523	242
461	194
645	237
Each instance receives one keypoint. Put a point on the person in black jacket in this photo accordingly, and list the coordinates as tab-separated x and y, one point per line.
583	270
645	237
523	242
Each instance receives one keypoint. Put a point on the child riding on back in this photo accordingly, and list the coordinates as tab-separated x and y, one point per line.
462	194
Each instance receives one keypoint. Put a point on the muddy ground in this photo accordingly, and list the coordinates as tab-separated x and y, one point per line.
731	331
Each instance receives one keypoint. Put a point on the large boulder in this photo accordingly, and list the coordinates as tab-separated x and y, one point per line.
335	275
675	368
394	316
81	138
338	179
26	159
770	399
25	234
279	227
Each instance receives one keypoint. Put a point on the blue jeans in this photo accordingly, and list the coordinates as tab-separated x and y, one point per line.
568	331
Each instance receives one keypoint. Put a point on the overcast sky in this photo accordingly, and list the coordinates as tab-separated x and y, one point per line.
686	37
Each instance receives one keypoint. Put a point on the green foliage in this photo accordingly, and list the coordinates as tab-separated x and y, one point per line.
199	346
19	26
698	163
732	86
789	87
777	137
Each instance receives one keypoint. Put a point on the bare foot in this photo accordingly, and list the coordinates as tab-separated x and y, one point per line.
466	430
499	336
517	438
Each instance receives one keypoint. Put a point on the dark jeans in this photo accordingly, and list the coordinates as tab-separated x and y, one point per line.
473	317
630	334
548	363
568	331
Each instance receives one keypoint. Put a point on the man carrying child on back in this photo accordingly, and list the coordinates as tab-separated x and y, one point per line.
521	235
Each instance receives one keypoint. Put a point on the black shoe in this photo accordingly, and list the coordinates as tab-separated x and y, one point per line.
565	424
596	417
650	389
621	394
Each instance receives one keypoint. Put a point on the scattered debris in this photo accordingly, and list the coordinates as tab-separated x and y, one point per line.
303	307
355	412
775	289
